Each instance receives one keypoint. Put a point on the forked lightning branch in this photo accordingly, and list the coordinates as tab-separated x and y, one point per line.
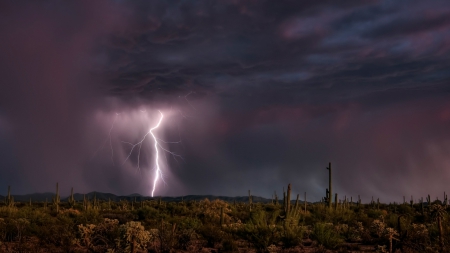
155	151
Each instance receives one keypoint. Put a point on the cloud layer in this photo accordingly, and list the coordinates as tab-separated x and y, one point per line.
260	93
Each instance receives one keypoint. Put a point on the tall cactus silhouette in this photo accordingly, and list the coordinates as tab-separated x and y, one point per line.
249	200
95	202
330	191
287	207
85	205
445	200
71	199
335	201
56	199
9	200
305	202
291	213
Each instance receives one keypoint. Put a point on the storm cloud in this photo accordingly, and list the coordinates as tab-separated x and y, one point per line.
257	94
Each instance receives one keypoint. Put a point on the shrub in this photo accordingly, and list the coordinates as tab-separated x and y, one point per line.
187	231
133	236
261	236
106	234
212	234
377	228
326	235
354	232
229	245
166	233
292	236
57	232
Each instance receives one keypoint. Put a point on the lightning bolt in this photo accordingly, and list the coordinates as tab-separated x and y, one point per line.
158	170
157	145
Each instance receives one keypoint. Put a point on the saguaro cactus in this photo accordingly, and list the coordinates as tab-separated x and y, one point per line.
296	201
287	207
330	191
71	199
292	213
85	202
9	201
421	205
95	202
305	202
335	201
56	199
249	200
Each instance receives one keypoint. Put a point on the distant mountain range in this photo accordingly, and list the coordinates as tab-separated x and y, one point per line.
41	197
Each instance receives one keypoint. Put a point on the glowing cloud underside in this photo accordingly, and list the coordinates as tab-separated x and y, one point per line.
158	170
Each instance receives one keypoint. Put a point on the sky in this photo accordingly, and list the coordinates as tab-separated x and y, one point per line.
255	95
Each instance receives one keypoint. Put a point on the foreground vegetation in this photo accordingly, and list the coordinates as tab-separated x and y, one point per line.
218	226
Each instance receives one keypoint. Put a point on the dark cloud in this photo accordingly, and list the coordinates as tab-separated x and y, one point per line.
260	93
420	19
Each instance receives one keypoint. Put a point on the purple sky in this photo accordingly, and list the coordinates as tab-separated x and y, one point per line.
260	93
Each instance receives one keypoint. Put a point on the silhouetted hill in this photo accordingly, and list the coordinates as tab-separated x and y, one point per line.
34	197
42	197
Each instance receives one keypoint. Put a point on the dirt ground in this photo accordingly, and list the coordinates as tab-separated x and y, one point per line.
32	245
